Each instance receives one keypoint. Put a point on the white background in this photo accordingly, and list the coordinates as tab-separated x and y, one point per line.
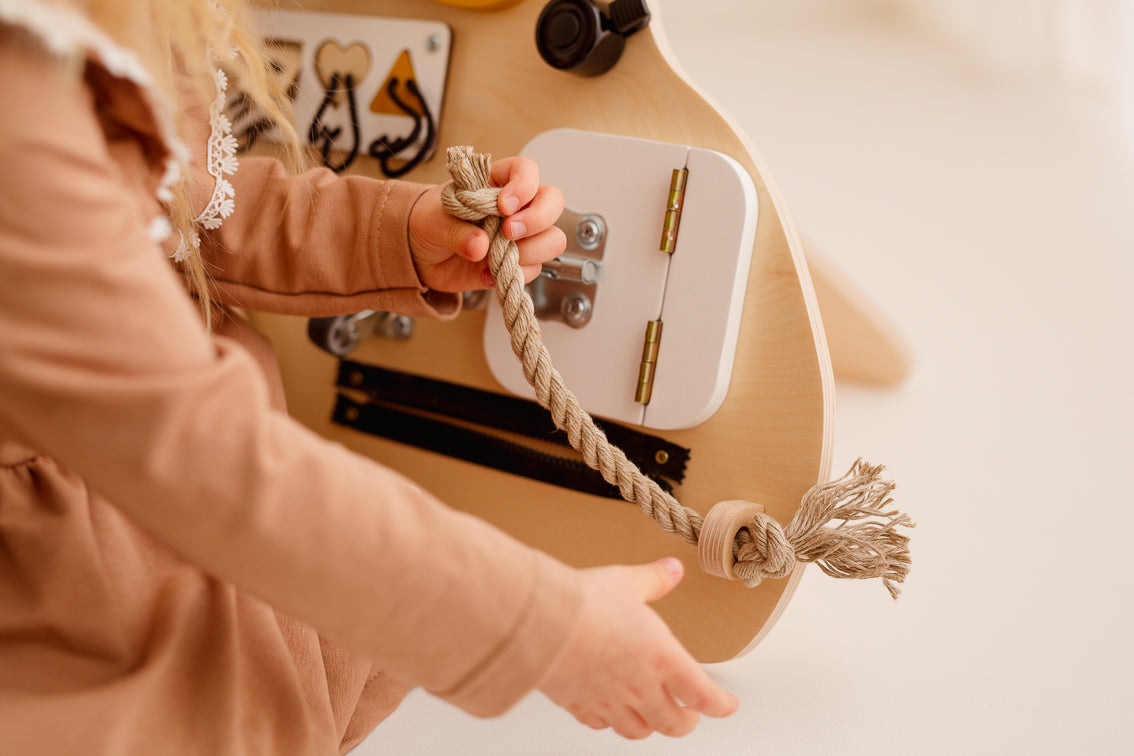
987	211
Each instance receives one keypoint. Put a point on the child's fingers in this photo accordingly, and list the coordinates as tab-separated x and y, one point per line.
484	280
594	721
666	716
467	240
650	582
542	247
540	214
693	687
530	272
518	178
473	273
629	724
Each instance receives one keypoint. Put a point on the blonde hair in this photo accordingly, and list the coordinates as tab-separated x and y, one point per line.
175	39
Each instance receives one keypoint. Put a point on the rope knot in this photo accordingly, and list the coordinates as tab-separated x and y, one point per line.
471	205
739	541
470	196
766	553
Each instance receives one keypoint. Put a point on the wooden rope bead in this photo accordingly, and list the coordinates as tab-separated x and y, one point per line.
718	531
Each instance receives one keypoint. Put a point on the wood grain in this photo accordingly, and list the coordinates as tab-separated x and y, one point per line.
769	442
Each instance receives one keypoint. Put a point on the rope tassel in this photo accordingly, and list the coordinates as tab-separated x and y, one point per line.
736	539
865	544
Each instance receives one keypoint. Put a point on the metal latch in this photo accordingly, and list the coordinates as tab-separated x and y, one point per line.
342	334
567	286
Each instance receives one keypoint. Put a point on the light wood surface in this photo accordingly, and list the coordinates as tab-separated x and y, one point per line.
480	4
864	345
769	442
922	177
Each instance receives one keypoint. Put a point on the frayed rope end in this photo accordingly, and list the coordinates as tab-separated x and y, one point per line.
866	542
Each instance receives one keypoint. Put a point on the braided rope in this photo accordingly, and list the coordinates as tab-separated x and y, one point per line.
763	548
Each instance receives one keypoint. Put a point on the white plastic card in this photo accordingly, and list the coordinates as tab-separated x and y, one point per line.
697	293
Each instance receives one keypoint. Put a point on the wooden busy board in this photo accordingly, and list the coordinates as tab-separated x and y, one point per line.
769	441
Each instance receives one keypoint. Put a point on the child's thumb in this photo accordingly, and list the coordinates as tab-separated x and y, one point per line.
658	578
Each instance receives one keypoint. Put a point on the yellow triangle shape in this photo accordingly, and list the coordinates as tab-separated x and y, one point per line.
403	72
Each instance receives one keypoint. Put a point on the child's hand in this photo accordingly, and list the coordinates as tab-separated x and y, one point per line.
450	255
623	668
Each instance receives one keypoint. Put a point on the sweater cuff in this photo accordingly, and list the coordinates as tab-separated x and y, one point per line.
537	642
395	272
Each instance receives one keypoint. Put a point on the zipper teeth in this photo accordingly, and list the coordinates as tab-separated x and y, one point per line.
414	429
557	436
392	390
564	463
570	467
444	408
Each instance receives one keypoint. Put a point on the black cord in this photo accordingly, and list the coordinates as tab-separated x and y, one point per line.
319	131
384	149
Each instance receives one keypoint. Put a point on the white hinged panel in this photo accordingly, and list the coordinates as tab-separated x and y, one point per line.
698	292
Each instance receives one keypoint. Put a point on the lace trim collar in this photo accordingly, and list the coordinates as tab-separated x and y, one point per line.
66	33
221	162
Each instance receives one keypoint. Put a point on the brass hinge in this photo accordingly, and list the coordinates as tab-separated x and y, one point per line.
649	362
673	210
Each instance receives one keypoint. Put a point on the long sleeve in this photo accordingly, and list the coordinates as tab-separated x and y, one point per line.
319	244
104	366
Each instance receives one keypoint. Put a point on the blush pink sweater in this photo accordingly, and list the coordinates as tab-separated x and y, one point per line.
183	568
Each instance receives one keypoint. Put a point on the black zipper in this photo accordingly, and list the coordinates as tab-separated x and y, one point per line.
413	409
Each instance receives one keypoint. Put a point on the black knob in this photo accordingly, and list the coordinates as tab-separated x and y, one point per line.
577	36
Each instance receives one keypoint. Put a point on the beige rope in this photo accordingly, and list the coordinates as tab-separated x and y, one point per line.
763	549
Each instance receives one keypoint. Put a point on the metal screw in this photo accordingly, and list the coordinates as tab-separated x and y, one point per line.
351	414
590	231
576	309
661	456
475	299
433	43
401	327
343	337
355	378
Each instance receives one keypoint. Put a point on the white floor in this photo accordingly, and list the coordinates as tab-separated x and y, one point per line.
991	220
